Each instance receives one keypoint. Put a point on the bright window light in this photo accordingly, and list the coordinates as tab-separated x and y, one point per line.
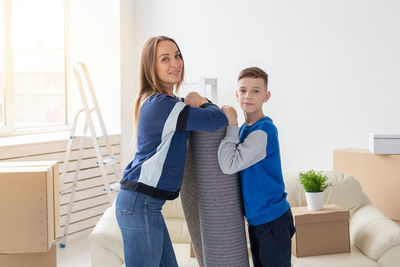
32	66
1	65
38	57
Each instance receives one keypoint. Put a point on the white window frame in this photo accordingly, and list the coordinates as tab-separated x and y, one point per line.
9	111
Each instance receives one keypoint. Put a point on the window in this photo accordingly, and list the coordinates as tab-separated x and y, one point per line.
32	65
2	64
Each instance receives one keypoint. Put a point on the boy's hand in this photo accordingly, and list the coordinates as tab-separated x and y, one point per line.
195	100
230	112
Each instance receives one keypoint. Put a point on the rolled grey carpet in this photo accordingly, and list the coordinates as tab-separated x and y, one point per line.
220	213
188	196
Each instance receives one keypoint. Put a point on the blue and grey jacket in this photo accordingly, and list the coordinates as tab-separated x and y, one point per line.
163	130
254	151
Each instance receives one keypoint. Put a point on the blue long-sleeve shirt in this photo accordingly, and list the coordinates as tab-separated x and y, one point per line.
254	151
163	130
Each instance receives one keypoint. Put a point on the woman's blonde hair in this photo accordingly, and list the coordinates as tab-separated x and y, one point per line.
149	83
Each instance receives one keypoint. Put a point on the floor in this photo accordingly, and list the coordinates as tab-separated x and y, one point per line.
77	253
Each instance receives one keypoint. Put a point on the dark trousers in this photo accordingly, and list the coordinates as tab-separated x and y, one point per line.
270	242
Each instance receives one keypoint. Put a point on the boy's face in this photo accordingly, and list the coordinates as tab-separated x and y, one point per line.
252	94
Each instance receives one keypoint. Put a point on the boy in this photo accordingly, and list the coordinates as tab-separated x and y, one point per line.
254	151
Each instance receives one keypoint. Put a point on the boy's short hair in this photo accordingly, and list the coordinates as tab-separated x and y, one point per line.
254	72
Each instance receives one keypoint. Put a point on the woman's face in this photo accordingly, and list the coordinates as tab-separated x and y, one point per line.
168	64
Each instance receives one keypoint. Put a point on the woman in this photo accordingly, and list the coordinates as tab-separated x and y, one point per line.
155	175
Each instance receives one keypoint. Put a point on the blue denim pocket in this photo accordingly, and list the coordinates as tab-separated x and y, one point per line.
125	202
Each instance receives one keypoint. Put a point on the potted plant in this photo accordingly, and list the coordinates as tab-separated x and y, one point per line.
314	184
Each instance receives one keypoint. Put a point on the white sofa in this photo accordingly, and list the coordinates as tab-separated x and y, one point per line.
375	239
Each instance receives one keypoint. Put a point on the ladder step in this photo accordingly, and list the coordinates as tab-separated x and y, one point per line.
108	161
114	186
86	137
80	137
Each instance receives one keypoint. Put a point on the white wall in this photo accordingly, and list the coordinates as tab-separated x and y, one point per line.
95	40
129	75
334	66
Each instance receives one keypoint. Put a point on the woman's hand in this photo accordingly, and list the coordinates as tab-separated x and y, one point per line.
230	112
195	100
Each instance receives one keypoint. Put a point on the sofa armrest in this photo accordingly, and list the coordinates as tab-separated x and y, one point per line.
373	233
107	234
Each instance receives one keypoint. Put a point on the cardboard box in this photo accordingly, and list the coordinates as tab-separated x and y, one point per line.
384	143
29	204
378	175
320	232
44	259
56	185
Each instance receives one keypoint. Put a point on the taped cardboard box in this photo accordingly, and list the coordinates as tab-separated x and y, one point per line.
320	232
44	259
29	208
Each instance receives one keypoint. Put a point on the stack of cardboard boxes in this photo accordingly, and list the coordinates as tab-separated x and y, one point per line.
29	210
320	232
378	176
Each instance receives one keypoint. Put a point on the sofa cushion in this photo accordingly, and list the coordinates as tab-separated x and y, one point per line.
390	257
175	220
373	232
178	230
173	209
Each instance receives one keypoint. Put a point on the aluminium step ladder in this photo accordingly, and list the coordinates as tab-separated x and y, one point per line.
80	70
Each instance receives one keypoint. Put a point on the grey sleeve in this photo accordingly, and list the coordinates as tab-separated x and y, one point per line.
234	156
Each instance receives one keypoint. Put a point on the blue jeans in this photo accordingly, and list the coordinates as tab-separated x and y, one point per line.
144	233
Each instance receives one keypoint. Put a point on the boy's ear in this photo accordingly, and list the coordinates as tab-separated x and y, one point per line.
237	96
267	96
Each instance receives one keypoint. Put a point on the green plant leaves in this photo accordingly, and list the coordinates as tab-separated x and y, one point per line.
313	182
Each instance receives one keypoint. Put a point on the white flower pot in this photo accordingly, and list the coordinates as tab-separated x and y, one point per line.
315	201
